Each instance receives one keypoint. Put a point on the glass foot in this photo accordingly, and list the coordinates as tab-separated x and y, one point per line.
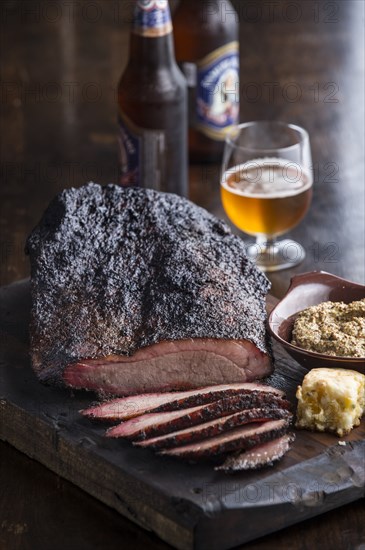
276	255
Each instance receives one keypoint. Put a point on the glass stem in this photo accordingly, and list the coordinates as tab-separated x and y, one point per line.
264	242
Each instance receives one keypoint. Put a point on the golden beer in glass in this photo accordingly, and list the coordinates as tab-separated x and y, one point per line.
266	191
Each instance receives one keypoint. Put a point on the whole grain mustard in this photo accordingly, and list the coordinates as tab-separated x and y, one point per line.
332	328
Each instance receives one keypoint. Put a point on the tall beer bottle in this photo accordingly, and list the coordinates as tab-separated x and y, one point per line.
207	50
152	99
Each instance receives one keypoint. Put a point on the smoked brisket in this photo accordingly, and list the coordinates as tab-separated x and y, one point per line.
135	405
242	438
155	424
135	290
214	427
258	457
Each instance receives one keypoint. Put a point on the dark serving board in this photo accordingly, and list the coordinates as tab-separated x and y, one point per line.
189	506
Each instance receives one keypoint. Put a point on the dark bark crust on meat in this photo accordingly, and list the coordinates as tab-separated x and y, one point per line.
123	409
239	419
258	457
217	450
197	399
223	407
114	270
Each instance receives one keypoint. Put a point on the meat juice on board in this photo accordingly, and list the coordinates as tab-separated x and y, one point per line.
152	99
266	196
207	49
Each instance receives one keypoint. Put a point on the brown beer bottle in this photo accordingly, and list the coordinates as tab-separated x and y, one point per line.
152	99
207	50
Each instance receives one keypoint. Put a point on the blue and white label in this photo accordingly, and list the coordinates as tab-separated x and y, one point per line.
152	18
218	92
142	155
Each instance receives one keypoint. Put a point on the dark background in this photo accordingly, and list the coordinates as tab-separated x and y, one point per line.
301	62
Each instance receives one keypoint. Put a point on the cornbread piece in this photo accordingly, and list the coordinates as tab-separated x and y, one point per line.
331	400
332	328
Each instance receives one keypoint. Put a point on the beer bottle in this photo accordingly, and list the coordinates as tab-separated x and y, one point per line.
207	49
152	99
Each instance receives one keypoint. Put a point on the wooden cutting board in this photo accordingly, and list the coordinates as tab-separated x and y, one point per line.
189	506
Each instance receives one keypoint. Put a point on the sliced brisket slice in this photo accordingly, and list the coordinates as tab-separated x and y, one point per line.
167	366
214	427
129	407
242	438
260	456
156	424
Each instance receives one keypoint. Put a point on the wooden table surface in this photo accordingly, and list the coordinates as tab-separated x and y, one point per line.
302	62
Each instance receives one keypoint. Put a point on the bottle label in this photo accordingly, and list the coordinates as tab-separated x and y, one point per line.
141	155
152	18
217	108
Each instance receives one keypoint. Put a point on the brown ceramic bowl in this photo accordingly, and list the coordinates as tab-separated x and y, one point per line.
310	289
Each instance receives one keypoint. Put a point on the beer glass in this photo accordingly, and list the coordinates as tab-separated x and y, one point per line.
266	188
